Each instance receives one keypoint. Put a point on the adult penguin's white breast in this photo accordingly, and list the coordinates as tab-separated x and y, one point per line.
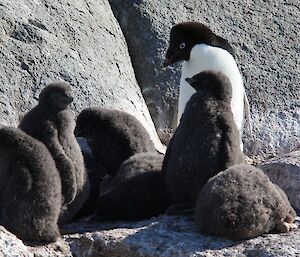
204	57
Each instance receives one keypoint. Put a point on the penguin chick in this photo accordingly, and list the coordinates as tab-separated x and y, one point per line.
30	187
201	49
136	192
52	122
113	136
242	203
205	142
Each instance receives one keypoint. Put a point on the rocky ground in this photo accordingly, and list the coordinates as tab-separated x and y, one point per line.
164	236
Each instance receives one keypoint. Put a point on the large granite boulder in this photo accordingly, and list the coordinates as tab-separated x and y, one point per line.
76	41
265	36
285	172
163	236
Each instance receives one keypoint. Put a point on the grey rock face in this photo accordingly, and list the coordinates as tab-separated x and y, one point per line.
76	41
146	25
265	37
285	172
163	236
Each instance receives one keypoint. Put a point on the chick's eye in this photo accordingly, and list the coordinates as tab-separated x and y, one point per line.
54	96
182	46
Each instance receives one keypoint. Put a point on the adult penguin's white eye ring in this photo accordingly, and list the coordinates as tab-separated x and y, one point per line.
182	46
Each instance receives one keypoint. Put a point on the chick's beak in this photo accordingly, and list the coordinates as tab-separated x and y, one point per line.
189	80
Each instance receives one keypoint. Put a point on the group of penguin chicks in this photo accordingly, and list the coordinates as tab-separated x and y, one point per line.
47	181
